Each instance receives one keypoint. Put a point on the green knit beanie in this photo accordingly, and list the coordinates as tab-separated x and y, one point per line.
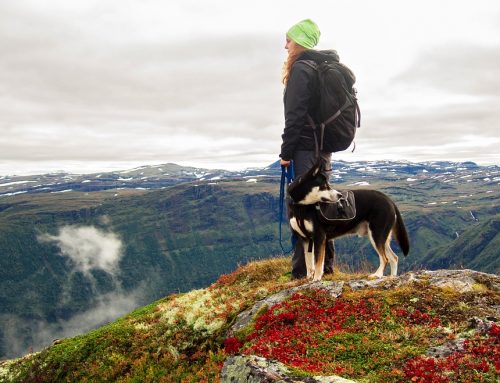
305	33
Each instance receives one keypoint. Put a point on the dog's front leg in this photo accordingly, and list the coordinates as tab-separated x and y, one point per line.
319	257
309	258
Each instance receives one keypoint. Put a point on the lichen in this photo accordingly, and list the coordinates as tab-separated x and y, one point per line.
142	326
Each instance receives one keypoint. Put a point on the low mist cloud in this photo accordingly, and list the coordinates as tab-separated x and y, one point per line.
21	336
88	248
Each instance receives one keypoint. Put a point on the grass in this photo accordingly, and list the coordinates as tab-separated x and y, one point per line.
373	335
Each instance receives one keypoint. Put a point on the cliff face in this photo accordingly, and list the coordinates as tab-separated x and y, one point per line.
255	325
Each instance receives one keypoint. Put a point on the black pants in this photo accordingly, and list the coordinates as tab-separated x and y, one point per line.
303	161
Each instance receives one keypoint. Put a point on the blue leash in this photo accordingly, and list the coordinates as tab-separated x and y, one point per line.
287	175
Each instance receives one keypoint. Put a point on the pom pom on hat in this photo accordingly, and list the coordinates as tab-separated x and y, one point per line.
305	33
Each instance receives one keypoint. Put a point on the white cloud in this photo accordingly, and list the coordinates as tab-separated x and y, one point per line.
88	248
136	82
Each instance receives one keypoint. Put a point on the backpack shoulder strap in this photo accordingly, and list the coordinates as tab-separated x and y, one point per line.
312	64
309	63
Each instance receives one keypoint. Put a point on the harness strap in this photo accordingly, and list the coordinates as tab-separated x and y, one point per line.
302	226
310	247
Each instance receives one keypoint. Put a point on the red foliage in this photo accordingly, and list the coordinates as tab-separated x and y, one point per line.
481	355
232	345
424	370
415	316
292	330
226	279
495	330
299	331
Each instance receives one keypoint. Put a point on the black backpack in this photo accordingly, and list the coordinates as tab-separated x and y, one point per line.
338	113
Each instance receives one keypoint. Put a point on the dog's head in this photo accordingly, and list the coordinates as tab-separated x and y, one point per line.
313	187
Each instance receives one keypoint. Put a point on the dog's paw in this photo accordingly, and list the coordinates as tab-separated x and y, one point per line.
317	276
310	274
374	276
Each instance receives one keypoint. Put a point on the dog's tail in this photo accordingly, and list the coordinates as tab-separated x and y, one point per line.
400	233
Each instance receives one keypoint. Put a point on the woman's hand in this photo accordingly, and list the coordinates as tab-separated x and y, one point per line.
284	163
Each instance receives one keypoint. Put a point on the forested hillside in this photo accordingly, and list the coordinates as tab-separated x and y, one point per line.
71	261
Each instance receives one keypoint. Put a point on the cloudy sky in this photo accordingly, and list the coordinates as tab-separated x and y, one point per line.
89	85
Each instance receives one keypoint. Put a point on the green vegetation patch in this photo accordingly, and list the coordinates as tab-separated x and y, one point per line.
177	339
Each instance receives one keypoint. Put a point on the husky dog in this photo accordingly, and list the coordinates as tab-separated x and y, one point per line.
375	215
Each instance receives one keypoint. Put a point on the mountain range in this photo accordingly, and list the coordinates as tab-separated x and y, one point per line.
77	251
161	176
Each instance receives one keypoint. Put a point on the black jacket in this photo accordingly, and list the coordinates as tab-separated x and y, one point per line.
301	98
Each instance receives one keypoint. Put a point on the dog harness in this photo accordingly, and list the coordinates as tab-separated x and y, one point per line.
342	210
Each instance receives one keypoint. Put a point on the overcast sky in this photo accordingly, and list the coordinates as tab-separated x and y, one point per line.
89	85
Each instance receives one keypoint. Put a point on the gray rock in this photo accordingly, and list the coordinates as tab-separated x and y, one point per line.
459	280
482	326
254	369
249	369
364	283
478	325
446	349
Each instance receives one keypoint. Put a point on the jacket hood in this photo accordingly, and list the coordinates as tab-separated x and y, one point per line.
319	56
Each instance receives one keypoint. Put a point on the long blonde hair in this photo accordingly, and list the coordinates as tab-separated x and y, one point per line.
287	66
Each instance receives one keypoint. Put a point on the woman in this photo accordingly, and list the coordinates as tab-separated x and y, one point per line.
301	101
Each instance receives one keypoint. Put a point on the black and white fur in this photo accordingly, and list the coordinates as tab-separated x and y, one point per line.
377	217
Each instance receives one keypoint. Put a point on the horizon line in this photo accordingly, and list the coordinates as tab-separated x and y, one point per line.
117	168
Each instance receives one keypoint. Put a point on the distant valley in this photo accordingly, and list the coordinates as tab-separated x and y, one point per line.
80	250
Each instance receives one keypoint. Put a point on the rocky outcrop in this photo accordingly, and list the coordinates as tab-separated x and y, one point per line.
480	326
459	280
254	369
